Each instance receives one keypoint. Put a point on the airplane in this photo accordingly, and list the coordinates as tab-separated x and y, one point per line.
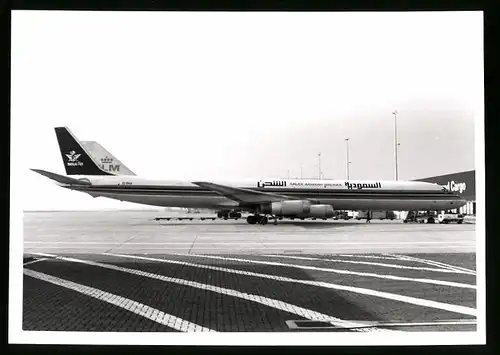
264	198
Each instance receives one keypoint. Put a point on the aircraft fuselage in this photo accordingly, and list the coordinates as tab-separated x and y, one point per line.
341	194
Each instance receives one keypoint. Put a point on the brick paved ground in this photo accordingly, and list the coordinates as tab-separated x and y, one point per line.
196	295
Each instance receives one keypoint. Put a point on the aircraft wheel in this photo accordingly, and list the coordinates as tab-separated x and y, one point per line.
251	220
234	214
263	220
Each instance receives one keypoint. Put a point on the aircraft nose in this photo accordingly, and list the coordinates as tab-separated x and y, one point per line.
459	203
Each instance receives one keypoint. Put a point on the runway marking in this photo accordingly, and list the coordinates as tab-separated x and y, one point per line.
263	248
274	303
429	262
135	307
338	271
369	257
365	291
438	263
252	243
435	263
298	232
34	261
365	263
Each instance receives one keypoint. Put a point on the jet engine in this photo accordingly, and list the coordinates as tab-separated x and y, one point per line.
321	211
287	208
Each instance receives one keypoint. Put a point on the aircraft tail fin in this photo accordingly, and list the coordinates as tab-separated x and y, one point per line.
76	159
106	161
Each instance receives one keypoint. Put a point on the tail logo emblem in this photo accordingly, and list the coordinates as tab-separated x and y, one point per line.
109	162
73	159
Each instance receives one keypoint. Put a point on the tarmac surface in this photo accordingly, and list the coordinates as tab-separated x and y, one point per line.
123	271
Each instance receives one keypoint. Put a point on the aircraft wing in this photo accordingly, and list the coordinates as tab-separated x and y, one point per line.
245	196
61	178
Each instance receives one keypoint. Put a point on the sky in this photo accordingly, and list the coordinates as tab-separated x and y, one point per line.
239	95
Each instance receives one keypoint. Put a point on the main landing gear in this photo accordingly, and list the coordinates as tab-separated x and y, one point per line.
254	219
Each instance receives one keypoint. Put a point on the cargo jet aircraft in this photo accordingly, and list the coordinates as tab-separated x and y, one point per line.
292	198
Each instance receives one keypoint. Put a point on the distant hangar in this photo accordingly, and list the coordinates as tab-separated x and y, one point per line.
462	183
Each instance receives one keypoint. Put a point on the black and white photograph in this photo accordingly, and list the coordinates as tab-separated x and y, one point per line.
247	178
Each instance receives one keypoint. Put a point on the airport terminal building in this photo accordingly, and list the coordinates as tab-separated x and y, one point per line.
463	183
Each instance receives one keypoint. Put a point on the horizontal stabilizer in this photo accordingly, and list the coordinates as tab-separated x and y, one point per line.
61	178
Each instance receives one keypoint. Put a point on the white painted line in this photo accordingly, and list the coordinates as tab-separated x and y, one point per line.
263	246
427	262
369	256
34	261
122	302
73	247
339	271
260	242
109	243
396	266
436	263
274	303
441	264
365	291
408	258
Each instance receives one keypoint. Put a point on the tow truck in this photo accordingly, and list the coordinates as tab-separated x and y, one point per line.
450	218
433	217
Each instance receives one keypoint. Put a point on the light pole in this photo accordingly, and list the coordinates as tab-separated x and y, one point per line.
347	158
397	166
319	165
395	113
